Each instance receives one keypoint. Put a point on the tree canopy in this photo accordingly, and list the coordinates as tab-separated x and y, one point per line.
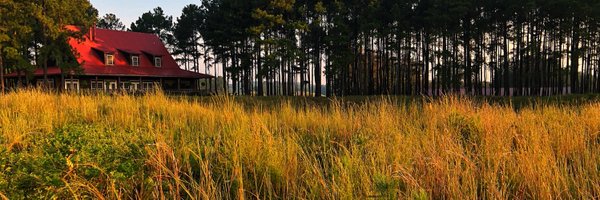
155	21
11	31
33	33
186	35
110	21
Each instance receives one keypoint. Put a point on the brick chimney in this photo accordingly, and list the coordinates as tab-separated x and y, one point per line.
92	33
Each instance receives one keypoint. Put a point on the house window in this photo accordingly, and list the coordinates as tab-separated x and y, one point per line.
97	85
111	85
72	84
157	61
124	85
135	61
135	86
49	83
148	86
110	59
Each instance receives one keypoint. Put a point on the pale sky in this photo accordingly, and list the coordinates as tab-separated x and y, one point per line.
129	10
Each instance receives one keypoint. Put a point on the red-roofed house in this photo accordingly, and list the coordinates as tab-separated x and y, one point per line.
120	60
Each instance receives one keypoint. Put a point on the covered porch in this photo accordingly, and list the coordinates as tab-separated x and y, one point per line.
109	84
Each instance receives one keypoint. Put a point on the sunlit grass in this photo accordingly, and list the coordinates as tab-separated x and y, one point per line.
156	146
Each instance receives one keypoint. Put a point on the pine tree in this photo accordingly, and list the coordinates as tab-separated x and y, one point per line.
186	34
110	21
51	17
155	22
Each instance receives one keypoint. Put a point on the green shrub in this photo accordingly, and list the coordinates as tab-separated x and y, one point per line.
73	156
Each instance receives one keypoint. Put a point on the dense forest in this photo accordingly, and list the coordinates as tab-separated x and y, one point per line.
389	47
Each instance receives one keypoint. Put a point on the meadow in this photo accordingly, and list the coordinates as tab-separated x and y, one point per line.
155	146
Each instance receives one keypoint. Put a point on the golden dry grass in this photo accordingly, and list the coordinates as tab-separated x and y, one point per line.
220	149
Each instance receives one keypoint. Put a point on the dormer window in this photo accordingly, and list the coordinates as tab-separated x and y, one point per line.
109	59
157	61
135	61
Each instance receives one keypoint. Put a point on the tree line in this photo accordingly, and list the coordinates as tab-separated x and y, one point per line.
400	47
385	47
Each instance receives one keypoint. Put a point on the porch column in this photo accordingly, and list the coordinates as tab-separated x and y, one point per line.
119	84
179	84
141	85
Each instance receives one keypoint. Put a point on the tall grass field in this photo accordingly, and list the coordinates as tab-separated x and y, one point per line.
70	146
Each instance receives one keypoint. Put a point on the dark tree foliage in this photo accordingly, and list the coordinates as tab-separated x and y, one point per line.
12	28
110	21
33	34
156	22
186	34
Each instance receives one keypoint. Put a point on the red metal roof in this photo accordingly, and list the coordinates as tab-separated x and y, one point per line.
122	44
132	52
104	49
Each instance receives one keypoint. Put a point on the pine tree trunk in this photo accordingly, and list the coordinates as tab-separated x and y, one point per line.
506	77
317	71
575	60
